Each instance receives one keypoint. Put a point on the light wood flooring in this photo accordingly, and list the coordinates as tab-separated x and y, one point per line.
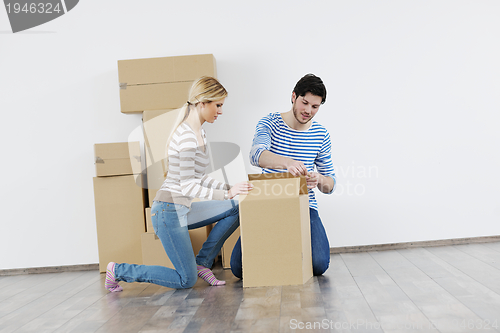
433	289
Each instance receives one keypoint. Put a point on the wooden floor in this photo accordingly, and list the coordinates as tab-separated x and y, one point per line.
433	289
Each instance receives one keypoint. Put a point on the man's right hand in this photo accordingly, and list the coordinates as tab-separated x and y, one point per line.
273	161
296	168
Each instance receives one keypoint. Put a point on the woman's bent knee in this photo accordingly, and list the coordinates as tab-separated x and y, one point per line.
189	281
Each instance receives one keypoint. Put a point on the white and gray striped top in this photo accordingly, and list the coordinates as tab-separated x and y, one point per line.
186	178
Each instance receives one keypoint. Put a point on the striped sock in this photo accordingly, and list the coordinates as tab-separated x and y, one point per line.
110	282
207	275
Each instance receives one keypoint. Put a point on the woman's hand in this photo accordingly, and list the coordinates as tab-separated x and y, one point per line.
240	188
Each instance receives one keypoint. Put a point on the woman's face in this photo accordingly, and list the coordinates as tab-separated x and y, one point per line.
210	111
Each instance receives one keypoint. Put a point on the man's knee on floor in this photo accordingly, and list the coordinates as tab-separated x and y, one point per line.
320	266
237	271
235	261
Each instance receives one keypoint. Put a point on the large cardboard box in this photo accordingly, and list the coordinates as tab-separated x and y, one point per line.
119	158
119	209
160	83
275	231
158	125
153	252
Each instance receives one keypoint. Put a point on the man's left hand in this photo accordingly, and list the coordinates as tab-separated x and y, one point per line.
312	179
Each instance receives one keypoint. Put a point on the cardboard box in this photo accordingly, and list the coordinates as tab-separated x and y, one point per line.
227	248
160	83
115	159
275	231
158	126
119	209
149	223
153	252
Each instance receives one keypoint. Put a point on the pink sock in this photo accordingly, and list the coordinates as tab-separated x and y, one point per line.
207	275
110	282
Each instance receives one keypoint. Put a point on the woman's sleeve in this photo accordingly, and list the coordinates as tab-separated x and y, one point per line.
190	186
210	182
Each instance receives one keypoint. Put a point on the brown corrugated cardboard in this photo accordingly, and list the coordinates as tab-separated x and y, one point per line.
157	126
153	252
227	248
275	231
169	95
149	223
198	237
115	159
119	209
160	83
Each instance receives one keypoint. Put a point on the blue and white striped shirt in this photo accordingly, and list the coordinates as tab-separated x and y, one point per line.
312	147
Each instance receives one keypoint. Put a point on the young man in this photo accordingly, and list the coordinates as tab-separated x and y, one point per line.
293	142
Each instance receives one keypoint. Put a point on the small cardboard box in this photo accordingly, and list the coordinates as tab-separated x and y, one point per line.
158	126
153	252
119	209
116	159
275	231
160	83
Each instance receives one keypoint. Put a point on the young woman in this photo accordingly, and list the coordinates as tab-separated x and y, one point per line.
173	211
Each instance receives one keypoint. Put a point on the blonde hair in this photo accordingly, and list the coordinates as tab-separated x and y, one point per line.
206	89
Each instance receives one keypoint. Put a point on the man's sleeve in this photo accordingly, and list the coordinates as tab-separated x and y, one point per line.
323	161
261	140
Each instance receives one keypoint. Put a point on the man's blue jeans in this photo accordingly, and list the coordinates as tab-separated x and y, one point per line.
171	223
320	248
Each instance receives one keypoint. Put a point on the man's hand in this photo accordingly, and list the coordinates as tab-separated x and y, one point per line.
296	168
312	179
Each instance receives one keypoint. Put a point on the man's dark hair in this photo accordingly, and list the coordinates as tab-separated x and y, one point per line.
310	83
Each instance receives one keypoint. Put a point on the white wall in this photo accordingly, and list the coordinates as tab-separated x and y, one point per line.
412	108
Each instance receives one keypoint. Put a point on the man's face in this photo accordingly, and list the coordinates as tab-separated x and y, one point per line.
305	107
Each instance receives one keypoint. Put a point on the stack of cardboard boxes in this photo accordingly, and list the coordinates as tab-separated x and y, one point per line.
157	88
119	202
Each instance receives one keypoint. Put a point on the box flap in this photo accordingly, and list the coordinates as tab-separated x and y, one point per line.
276	189
165	69
280	175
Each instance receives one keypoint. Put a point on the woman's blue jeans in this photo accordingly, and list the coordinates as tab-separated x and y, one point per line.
320	248
171	223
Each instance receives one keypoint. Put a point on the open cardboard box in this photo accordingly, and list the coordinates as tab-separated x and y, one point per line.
275	231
